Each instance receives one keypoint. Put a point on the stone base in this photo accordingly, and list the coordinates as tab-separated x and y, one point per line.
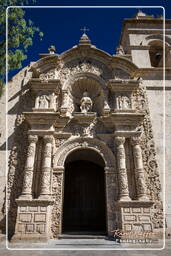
134	215
22	238
33	218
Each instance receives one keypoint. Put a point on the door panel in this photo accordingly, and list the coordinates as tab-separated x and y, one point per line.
84	198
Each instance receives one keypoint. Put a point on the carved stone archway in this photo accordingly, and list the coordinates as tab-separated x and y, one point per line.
110	174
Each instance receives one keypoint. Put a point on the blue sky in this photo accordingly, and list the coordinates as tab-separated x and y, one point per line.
61	27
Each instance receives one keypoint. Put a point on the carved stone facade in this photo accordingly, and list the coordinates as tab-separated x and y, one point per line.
85	104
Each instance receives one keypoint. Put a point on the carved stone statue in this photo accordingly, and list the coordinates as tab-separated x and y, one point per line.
124	102
43	101
86	103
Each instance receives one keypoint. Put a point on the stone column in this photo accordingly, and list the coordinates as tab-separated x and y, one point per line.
29	167
122	172
139	170
45	184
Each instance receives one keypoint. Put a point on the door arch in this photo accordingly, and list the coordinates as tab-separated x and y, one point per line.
84	206
111	182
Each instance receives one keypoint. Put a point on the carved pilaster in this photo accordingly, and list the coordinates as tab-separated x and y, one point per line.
29	167
53	101
122	172
65	99
106	109
139	170
45	185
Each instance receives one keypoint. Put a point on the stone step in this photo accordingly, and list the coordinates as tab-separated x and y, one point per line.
83	236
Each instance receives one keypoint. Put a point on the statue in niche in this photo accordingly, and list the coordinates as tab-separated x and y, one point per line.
124	102
86	103
54	101
42	101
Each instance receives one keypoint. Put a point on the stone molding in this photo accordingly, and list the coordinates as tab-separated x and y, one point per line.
81	143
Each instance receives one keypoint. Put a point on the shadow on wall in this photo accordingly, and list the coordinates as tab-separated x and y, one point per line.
17	144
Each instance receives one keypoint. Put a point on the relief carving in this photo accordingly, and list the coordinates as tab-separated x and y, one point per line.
151	174
123	102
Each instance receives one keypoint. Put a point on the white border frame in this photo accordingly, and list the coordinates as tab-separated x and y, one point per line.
164	191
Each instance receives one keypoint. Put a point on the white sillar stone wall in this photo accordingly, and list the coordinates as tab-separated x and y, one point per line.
13	93
155	99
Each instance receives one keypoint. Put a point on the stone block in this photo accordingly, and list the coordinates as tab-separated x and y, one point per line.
146	210
25	217
137	227
40	228
127	227
38	217
145	218
43	209
126	210
147	227
29	228
136	210
130	218
23	208
21	228
33	209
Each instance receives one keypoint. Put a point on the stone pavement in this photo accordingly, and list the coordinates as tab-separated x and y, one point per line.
95	244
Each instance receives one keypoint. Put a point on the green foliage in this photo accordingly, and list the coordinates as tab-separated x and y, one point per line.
20	35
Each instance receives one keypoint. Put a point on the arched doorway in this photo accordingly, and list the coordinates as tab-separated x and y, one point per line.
84	206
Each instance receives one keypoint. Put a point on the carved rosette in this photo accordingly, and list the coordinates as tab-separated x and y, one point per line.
122	172
29	167
139	170
45	183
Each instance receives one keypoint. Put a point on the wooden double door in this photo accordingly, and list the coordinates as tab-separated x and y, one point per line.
84	209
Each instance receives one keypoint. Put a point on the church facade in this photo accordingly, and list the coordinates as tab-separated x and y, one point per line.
86	156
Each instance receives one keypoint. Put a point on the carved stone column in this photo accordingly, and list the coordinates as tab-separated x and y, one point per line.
29	167
45	185
122	172
64	101
139	170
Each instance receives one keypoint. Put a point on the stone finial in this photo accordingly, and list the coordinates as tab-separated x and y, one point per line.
52	49
142	15
84	40
120	50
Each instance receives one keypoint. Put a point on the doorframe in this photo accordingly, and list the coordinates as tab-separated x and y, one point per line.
111	183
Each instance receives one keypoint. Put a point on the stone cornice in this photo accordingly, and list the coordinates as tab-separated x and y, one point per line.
40	133
127	134
44	202
144	72
84	118
62	135
134	203
123	85
123	118
41	118
37	84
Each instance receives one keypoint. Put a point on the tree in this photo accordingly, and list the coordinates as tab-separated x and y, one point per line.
20	36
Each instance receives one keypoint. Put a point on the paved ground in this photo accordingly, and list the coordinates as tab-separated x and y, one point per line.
94	245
